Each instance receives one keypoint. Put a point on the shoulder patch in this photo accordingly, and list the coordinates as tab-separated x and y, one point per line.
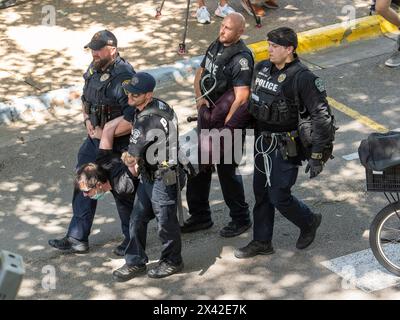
244	64
320	85
125	82
134	136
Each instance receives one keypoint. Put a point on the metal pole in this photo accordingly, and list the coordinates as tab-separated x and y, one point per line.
182	45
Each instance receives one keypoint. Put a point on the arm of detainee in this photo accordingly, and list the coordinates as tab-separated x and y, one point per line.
241	97
124	127
108	133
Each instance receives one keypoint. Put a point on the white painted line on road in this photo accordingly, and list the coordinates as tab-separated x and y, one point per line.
351	156
361	269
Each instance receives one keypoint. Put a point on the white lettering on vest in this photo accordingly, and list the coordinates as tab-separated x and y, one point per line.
267	84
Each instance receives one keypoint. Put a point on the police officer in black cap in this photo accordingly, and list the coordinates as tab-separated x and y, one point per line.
284	91
227	65
103	100
153	150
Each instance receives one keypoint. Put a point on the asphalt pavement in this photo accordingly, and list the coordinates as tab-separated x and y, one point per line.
37	161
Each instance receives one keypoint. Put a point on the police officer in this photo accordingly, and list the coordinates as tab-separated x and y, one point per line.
282	90
153	149
103	100
227	65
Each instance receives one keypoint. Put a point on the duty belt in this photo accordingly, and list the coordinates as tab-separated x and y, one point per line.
287	144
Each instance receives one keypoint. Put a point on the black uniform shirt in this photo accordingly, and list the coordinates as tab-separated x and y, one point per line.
146	131
312	95
123	183
114	93
238	70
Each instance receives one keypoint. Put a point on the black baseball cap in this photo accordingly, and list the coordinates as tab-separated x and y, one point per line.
101	39
141	82
283	36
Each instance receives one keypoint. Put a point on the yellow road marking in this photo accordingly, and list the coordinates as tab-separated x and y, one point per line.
357	116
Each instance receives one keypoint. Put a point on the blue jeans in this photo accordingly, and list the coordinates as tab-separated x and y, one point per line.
278	195
154	200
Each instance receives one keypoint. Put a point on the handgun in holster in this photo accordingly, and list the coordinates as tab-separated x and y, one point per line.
103	115
167	173
94	115
282	146
288	145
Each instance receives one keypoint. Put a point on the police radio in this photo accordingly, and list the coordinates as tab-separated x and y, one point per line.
11	273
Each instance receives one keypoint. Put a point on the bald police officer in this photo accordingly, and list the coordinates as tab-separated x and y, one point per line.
227	66
103	99
283	90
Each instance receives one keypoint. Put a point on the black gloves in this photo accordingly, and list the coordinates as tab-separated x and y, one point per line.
315	167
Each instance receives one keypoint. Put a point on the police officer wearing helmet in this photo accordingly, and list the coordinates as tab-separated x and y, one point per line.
283	90
103	100
153	150
227	66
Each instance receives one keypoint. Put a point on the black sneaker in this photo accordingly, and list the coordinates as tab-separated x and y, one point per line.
164	269
233	229
70	244
192	225
307	236
119	251
254	248
126	272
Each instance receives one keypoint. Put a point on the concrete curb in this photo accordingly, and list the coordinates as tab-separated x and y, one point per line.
333	35
28	108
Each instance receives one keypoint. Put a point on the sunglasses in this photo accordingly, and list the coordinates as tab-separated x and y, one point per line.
133	95
83	189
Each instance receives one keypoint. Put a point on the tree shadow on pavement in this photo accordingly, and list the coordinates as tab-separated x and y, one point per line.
42	43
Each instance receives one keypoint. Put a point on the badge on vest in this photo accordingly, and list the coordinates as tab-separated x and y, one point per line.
104	77
281	77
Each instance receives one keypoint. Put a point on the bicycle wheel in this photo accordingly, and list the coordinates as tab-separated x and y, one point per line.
384	237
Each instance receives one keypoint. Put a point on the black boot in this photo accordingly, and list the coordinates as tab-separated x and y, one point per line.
193	225
307	235
70	244
120	249
254	248
234	228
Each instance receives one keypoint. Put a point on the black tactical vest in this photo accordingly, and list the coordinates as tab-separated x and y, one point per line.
268	102
161	109
214	74
94	95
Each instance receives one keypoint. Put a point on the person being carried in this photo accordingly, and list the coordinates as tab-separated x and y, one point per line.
110	174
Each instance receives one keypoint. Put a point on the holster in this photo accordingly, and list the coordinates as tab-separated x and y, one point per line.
167	174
